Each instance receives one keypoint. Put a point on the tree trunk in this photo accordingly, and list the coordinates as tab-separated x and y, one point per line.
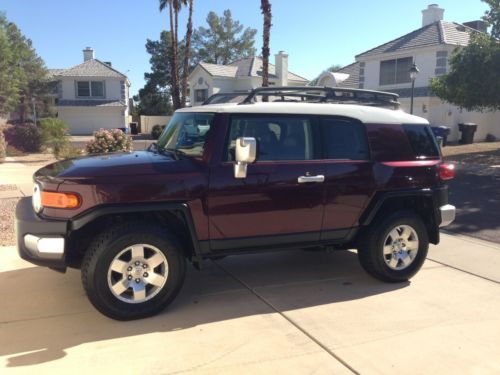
175	65
185	72
265	7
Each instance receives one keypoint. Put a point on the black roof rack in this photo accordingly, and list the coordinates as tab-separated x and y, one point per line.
314	94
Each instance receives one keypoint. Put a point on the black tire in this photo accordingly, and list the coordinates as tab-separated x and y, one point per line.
371	247
108	245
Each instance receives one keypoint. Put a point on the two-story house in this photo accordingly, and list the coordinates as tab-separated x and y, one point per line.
386	68
239	76
91	95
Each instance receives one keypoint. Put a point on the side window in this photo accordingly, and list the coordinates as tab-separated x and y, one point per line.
278	138
422	141
344	139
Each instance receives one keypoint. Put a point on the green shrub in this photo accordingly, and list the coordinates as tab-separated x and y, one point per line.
24	137
156	131
109	141
54	136
3	146
70	152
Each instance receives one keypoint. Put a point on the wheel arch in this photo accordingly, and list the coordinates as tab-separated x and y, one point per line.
174	216
421	201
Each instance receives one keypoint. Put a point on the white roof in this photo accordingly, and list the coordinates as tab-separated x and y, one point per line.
364	114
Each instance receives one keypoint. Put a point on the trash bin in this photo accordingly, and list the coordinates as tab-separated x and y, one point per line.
133	128
441	131
468	129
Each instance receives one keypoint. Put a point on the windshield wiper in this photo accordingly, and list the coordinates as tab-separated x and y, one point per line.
153	147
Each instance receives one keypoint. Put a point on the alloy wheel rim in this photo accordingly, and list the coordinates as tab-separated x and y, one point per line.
138	273
400	247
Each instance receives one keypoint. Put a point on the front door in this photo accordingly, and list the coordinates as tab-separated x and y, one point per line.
274	204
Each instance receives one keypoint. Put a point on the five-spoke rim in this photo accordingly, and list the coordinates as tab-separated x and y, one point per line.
137	273
400	247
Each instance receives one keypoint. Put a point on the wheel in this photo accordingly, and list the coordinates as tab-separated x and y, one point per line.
394	248
133	270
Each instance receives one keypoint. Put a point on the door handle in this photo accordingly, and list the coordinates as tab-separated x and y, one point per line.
305	179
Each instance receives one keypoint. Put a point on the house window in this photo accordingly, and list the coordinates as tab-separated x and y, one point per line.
92	89
395	71
200	95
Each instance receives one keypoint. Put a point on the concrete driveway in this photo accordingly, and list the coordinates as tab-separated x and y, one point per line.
286	313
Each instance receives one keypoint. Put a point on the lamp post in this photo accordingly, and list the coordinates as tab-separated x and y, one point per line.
413	75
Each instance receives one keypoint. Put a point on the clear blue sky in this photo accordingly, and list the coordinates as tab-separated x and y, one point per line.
315	33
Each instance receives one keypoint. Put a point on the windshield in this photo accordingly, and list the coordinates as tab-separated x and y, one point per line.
186	132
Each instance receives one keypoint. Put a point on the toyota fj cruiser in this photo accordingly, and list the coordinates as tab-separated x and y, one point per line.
284	168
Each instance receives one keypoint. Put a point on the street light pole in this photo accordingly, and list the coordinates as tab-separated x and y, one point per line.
413	75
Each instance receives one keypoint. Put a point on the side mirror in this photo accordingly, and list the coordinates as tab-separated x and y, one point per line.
246	151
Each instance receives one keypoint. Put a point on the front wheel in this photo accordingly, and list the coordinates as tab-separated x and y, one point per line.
394	249
133	270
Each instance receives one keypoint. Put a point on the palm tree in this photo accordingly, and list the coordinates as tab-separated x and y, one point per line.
265	7
185	70
173	8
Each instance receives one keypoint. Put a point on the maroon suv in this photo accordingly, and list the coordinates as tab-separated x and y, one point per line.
299	168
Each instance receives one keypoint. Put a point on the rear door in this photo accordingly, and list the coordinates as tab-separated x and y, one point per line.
349	182
281	199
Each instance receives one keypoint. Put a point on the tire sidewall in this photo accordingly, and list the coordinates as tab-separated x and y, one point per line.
98	266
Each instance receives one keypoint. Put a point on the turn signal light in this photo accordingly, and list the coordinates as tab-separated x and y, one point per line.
446	171
60	200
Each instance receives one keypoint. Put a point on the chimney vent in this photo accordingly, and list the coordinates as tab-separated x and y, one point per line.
88	54
432	14
281	67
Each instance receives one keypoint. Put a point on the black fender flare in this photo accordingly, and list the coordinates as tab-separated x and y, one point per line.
88	216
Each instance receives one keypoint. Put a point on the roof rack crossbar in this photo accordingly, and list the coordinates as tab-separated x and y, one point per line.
327	95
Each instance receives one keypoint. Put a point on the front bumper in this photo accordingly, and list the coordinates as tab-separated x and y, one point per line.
40	241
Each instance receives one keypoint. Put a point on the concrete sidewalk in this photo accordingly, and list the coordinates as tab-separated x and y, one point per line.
292	312
16	179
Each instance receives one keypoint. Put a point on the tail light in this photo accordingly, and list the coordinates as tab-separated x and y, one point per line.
446	171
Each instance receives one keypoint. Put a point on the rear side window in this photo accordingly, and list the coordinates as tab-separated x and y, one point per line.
345	139
422	141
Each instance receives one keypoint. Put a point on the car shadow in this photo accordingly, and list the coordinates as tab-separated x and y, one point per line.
48	313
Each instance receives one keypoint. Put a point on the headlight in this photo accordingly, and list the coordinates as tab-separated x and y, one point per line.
37	198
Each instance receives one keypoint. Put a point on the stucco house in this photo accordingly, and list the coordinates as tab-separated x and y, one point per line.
239	76
91	95
386	68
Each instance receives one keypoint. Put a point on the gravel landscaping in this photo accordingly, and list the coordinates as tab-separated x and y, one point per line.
7	209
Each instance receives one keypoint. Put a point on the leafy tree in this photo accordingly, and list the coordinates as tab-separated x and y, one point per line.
473	81
23	75
333	68
492	17
225	40
265	7
155	97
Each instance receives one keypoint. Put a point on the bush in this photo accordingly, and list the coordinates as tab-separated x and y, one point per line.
156	131
109	141
24	137
3	146
54	136
70	152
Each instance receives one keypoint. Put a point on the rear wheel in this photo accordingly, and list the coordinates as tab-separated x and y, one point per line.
394	248
133	270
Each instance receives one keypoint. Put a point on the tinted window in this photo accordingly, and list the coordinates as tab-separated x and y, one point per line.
278	138
344	139
422	141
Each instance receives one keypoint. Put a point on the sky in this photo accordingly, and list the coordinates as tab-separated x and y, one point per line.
315	33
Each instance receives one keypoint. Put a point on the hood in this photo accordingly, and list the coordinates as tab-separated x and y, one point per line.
106	165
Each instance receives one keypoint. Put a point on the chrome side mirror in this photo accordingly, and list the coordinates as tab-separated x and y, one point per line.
246	152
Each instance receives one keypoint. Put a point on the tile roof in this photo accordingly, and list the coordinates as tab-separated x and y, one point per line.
248	67
89	68
91	103
353	71
440	32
